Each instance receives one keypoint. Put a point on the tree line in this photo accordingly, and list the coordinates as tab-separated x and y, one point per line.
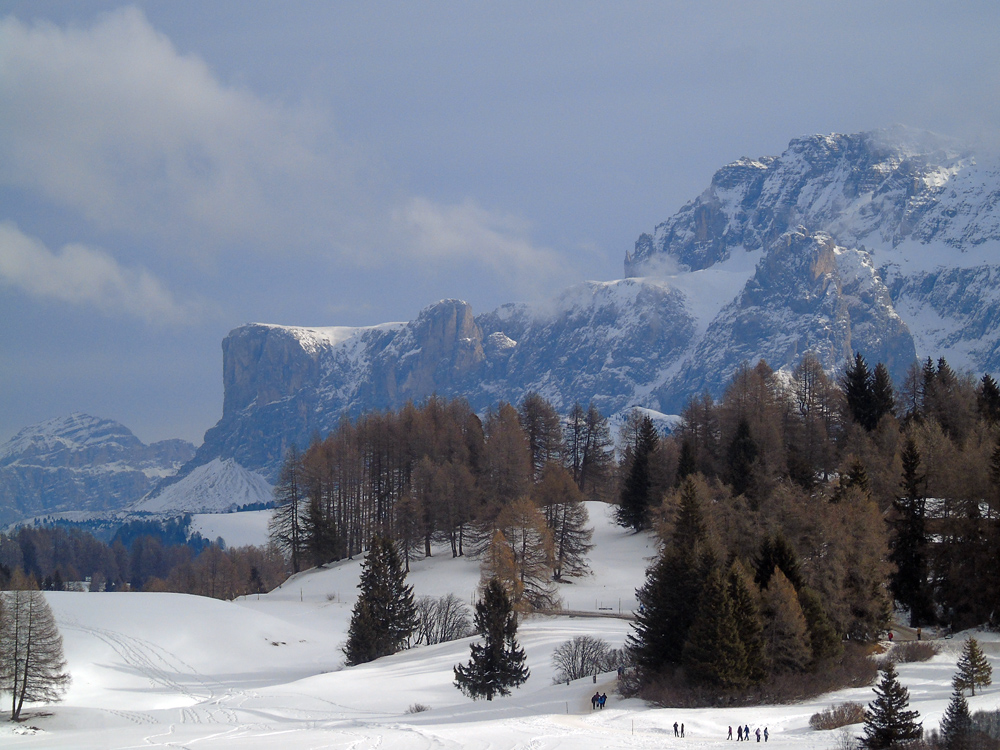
797	509
508	487
143	556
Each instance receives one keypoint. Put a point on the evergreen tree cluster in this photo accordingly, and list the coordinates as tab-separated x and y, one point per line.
811	457
718	622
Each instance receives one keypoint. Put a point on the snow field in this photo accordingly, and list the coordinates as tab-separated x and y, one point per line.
171	670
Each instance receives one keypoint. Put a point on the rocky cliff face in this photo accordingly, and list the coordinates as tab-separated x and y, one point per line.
886	243
81	462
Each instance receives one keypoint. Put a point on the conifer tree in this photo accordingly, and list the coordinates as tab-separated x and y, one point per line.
742	459
956	724
561	503
882	394
385	615
498	663
823	637
786	635
285	527
908	543
638	490
974	670
887	718
532	546
777	552
988	400
857	386
669	599
713	653
498	564
687	462
744	595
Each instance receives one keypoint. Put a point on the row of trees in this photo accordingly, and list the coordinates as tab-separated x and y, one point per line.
149	556
509	487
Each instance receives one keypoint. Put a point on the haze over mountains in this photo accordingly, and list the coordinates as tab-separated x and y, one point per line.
887	243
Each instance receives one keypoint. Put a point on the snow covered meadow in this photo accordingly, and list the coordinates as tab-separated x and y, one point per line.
173	670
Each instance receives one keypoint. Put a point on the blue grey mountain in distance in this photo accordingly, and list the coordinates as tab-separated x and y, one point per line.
81	463
883	242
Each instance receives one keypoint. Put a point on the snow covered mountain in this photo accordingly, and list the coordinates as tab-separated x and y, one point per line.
219	486
886	243
81	462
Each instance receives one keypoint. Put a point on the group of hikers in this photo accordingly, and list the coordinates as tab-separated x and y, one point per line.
742	733
597	700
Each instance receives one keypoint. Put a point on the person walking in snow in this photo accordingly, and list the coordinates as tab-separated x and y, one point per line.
682	730
602	700
739	733
746	732
676	734
594	699
730	732
765	734
758	734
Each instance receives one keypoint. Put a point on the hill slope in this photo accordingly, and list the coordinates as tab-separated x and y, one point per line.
176	670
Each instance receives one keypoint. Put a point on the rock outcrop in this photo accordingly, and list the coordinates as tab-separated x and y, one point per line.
887	243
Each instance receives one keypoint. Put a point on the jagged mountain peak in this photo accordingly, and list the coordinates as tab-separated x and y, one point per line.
71	433
878	188
81	462
885	242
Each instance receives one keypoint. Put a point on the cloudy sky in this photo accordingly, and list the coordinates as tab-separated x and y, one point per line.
170	170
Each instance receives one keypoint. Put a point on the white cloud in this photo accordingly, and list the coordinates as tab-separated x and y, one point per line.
113	122
467	232
82	275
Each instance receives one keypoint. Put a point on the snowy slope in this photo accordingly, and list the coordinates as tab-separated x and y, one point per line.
169	670
217	487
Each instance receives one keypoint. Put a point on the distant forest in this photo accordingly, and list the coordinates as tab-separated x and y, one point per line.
144	555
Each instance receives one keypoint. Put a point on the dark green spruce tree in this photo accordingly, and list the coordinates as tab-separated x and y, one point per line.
888	720
497	664
742	459
713	653
956	724
385	615
908	543
857	385
748	620
777	552
883	396
638	494
669	599
988	400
